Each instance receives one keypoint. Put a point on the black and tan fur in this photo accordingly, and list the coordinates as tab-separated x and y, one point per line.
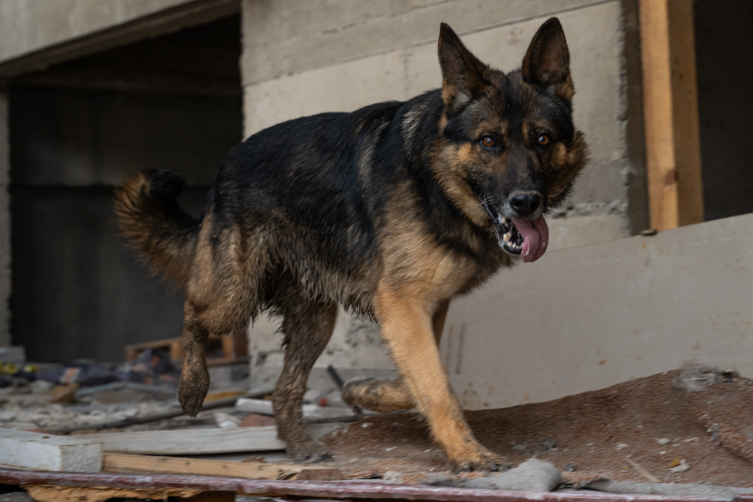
391	211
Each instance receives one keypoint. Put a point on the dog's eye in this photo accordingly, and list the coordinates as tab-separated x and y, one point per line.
543	140
488	142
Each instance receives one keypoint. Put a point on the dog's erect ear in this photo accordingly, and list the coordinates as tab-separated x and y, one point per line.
547	61
462	73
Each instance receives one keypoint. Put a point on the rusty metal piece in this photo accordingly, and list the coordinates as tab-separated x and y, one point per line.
320	489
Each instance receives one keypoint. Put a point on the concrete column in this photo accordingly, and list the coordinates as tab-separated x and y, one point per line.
4	222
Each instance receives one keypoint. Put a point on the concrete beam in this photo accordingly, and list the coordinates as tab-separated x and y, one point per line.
288	36
589	317
38	33
32	450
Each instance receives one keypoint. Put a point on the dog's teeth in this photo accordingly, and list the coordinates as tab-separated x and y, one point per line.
505	220
506	237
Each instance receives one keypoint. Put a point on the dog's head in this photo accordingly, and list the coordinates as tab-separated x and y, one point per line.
508	149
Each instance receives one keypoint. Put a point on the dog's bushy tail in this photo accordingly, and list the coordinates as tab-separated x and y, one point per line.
149	216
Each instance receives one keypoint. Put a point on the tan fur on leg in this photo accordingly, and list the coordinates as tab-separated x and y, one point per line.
385	396
407	326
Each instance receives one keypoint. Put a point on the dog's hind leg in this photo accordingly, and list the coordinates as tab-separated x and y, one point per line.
307	327
389	395
194	377
223	295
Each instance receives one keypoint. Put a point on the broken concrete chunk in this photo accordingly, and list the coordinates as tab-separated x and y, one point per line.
532	475
694	376
32	450
14	354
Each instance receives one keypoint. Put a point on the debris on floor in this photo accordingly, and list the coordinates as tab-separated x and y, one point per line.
696	417
684	433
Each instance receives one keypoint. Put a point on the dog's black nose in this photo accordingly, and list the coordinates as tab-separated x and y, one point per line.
525	203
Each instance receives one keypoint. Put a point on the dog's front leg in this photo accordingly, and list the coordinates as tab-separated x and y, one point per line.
406	321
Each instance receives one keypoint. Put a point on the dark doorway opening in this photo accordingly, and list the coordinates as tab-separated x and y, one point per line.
77	129
725	104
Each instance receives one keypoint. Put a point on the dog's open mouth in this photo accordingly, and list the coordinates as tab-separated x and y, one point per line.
527	238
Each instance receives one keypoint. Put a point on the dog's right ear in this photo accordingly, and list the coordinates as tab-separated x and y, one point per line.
462	73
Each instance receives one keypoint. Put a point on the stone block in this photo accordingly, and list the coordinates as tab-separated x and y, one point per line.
46	452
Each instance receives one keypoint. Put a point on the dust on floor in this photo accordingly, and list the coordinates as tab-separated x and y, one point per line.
656	423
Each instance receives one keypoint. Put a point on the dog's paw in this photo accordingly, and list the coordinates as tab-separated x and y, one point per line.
308	451
355	387
192	391
383	396
482	460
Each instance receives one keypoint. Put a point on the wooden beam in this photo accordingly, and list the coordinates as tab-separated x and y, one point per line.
50	493
166	21
118	462
670	97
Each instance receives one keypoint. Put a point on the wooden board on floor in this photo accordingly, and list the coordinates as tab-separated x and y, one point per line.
199	441
119	462
47	493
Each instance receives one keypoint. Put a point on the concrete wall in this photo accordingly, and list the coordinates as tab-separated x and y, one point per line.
5	254
586	318
302	58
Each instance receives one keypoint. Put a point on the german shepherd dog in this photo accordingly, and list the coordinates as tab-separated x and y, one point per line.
391	211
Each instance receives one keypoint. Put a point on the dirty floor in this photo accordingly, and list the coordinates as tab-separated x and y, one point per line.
659	426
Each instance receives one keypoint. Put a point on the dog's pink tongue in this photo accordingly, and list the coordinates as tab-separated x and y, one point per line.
535	237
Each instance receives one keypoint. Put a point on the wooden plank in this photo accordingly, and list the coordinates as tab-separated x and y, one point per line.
234	348
119	462
134	349
670	100
199	441
32	450
685	112
48	493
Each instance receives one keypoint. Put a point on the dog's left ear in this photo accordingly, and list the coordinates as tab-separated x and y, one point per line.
462	73
547	61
